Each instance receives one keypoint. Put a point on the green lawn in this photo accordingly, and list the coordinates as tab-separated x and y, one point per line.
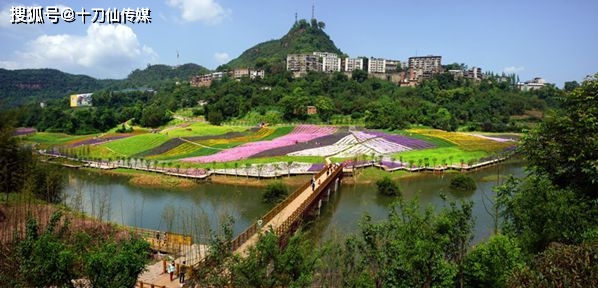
264	160
50	139
201	129
280	131
135	144
441	155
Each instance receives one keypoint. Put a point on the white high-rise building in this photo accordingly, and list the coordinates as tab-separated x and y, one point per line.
376	65
353	64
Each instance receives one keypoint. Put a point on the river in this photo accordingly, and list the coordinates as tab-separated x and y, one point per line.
197	210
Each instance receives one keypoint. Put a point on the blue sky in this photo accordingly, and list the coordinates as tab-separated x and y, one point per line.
553	39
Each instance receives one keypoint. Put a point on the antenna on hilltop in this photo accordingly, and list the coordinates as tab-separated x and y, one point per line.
295	17
177	58
313	9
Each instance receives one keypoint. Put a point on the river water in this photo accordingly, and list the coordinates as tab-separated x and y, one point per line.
197	210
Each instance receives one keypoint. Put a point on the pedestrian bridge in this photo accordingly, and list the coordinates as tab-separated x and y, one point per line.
286	216
283	220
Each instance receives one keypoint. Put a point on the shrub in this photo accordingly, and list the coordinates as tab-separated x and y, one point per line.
388	187
275	192
463	183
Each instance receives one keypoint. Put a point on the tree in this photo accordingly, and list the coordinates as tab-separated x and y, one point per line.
570	86
526	204
563	146
490	263
268	264
415	247
117	264
215	117
275	192
560	266
388	187
463	183
34	267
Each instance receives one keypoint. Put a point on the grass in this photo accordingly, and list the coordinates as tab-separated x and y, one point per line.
51	139
439	142
441	154
202	129
280	131
264	160
135	144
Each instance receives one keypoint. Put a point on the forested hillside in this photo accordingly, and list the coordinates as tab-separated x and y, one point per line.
37	85
27	86
302	37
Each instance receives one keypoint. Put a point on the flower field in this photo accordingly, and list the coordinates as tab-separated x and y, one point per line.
200	145
301	133
465	141
365	143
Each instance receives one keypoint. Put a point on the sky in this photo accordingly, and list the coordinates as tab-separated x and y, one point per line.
553	39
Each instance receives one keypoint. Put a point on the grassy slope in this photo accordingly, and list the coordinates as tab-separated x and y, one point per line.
135	144
201	129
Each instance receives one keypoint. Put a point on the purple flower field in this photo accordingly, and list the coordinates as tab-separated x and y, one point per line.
402	140
24	131
97	140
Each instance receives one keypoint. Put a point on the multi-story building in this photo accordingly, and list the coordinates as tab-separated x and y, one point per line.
392	66
300	64
204	80
330	61
353	64
533	84
376	65
423	67
475	73
246	72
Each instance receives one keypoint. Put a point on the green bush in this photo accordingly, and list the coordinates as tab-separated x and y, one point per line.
275	192
388	187
463	183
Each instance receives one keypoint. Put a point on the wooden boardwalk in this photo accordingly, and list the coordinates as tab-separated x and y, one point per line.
284	215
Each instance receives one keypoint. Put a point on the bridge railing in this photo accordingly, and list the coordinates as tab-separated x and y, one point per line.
251	230
286	225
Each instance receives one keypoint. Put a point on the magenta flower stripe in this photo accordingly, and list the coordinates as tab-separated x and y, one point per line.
302	133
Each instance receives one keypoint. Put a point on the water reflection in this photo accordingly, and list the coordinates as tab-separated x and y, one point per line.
199	209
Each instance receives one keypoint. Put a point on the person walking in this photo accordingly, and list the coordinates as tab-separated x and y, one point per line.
182	273
171	269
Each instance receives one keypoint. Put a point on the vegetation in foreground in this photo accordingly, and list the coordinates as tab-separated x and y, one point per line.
41	246
545	233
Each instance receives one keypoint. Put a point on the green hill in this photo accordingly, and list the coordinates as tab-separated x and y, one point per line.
36	85
303	37
155	74
18	87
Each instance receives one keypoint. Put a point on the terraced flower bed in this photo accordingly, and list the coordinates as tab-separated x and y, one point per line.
465	141
302	133
97	140
315	143
134	145
234	141
403	140
367	143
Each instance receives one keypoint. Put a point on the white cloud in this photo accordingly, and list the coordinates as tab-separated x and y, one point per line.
207	11
105	51
5	17
221	57
513	69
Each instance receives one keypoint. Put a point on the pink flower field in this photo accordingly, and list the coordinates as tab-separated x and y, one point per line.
302	133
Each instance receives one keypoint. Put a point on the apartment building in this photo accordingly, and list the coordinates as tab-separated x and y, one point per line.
300	64
376	65
423	67
351	64
533	84
392	66
330	61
